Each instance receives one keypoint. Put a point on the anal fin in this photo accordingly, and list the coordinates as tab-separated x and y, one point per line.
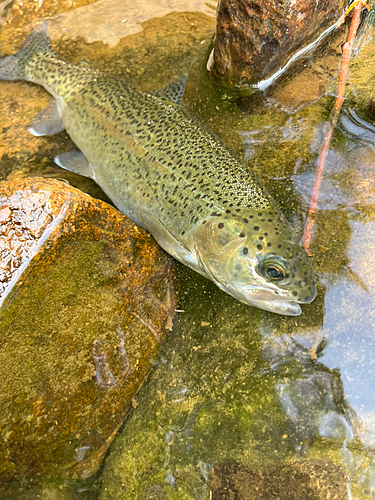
76	162
48	121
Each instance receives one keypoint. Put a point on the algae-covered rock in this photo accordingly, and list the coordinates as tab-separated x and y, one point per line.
307	480
195	409
86	299
215	399
231	398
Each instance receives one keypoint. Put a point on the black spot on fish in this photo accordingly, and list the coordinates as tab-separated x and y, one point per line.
295	293
269	244
242	235
256	228
221	225
245	251
259	247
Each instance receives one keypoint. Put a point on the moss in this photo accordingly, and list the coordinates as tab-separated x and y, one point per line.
69	310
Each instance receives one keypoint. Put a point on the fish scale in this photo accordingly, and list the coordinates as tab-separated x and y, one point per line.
172	176
157	162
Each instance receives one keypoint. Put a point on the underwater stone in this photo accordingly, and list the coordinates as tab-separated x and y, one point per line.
308	479
86	298
213	412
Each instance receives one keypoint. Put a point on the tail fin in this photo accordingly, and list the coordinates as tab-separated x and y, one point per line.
15	67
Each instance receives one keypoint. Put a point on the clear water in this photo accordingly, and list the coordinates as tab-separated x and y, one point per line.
233	385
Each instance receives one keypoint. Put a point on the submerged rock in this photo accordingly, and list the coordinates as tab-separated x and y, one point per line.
86	298
214	411
306	480
255	39
237	410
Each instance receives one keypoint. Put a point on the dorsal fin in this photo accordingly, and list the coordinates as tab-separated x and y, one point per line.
174	91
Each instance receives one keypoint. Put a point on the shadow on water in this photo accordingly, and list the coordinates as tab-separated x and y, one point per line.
240	400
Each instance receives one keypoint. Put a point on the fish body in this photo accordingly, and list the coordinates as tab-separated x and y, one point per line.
172	176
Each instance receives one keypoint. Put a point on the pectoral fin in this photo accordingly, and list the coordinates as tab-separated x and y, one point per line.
76	162
174	91
48	121
166	240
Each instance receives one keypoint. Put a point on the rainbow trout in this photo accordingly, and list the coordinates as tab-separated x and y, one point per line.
171	176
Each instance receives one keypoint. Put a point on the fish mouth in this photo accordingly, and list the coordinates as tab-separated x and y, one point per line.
284	307
263	299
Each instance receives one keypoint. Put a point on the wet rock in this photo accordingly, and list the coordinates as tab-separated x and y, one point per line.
310	78
86	299
195	411
255	39
360	92
239	406
220	396
307	480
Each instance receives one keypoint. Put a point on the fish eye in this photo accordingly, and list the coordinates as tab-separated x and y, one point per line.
274	273
274	269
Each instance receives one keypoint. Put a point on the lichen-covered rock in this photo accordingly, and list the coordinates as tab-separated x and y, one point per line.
86	298
254	39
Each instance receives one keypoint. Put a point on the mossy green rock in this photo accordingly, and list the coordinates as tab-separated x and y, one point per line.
306	480
196	410
86	299
230	400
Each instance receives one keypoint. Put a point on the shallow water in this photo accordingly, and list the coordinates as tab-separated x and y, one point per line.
233	385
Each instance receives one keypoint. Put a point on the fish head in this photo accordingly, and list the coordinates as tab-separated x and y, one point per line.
257	258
